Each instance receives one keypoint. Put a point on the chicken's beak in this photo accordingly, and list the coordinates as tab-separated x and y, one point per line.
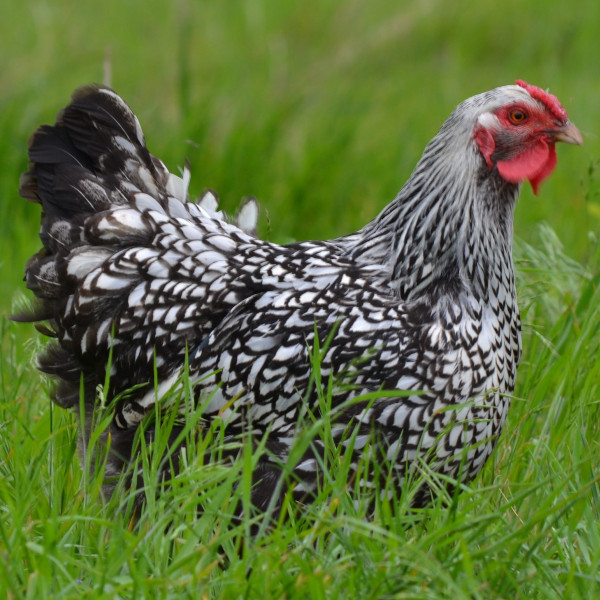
567	133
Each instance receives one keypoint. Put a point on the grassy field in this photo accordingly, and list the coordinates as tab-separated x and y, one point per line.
320	110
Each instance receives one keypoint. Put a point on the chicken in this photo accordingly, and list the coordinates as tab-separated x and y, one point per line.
421	299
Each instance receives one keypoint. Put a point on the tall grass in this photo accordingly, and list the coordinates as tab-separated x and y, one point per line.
528	527
320	110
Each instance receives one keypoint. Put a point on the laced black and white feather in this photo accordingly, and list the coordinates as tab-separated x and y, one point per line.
422	298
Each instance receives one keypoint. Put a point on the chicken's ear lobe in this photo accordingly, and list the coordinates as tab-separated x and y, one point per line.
486	143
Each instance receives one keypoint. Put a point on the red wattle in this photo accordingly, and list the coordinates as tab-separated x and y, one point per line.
535	164
546	170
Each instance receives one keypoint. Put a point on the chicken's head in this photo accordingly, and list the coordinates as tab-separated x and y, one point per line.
518	137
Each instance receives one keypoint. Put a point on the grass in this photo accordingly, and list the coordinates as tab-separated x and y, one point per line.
320	110
528	528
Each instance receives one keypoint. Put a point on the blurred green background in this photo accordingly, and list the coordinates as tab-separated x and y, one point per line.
319	109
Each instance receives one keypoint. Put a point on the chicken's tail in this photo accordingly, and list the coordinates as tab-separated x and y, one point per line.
131	275
108	207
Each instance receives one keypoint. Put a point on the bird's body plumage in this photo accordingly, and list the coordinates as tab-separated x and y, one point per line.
422	299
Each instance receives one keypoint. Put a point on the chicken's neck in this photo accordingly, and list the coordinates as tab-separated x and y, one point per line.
448	231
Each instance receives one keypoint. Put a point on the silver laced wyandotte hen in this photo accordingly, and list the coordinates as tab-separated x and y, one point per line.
421	299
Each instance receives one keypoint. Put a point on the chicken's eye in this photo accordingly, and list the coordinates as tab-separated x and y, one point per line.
517	116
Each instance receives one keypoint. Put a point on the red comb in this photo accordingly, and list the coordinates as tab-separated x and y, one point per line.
550	101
